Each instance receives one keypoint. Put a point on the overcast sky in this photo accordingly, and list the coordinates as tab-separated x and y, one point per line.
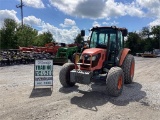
65	18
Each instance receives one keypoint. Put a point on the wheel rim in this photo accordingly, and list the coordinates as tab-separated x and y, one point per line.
132	69
120	81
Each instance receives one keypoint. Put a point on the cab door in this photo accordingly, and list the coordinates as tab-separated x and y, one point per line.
112	49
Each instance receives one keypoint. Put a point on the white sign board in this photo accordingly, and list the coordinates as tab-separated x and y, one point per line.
43	73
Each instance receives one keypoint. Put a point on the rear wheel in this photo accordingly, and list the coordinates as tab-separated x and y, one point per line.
64	75
115	81
128	69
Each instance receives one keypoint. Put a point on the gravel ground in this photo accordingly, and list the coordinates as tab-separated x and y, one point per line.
139	101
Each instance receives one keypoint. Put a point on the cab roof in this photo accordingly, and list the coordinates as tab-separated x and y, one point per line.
123	30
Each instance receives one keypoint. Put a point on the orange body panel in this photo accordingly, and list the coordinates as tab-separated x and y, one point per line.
123	55
92	52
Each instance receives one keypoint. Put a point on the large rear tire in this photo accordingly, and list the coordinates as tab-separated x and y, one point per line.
128	69
115	81
64	75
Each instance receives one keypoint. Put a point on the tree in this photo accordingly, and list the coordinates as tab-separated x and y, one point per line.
79	39
134	42
148	45
43	39
7	38
156	36
146	40
26	35
146	32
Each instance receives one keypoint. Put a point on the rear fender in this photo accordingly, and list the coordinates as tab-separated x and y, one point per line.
123	55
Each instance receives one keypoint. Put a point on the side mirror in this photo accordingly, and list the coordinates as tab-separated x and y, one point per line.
82	32
124	32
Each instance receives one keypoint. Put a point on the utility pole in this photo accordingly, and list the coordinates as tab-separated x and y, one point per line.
159	38
21	6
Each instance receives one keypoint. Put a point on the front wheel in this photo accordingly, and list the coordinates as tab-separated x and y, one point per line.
128	69
115	81
64	75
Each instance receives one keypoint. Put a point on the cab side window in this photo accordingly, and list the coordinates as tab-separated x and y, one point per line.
120	40
112	42
93	40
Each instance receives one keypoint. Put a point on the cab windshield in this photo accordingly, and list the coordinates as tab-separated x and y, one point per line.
101	37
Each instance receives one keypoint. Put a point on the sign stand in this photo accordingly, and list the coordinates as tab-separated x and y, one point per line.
43	73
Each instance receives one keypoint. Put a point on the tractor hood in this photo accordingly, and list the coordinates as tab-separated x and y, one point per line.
92	59
93	51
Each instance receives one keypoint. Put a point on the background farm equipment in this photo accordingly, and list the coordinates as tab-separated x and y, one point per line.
64	54
17	57
156	52
148	54
51	48
152	54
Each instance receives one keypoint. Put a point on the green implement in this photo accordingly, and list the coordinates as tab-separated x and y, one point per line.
63	54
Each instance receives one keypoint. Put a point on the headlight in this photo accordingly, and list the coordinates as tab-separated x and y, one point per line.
88	57
94	58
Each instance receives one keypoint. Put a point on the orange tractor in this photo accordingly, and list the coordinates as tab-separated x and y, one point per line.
105	58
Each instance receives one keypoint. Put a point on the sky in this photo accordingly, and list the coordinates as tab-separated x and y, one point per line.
65	18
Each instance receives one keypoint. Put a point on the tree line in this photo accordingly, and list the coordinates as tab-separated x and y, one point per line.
13	35
145	40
